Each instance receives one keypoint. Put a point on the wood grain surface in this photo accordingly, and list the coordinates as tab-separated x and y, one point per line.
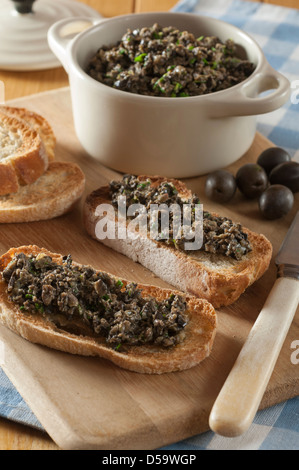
193	392
19	84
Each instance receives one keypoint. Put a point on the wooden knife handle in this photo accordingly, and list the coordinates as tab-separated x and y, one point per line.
241	394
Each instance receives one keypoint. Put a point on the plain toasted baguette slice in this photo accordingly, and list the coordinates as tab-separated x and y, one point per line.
52	195
218	278
22	151
39	123
151	359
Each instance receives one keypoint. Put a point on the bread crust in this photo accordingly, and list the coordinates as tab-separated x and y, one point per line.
9	182
28	158
52	195
213	277
149	359
39	123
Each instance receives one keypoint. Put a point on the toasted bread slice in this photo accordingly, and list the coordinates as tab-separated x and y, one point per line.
217	278
152	359
39	123
52	195
22	152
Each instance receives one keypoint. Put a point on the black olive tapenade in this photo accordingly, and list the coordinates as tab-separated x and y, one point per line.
167	62
220	234
84	301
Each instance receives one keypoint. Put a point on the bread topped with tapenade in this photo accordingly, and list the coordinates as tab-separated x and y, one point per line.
231	257
51	300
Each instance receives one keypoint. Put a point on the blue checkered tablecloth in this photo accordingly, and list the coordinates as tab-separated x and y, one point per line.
276	29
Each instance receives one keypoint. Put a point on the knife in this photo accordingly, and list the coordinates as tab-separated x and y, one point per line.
242	392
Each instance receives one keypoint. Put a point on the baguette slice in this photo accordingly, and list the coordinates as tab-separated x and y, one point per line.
39	124
52	195
151	359
23	158
217	278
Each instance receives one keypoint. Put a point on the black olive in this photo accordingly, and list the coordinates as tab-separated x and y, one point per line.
286	173
272	157
251	180
220	186
276	201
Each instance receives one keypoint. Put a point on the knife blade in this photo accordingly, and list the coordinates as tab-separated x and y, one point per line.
242	392
287	259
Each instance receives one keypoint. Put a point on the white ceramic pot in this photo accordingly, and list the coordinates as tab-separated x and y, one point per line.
174	137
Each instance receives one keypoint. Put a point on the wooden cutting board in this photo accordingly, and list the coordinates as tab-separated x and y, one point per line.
88	403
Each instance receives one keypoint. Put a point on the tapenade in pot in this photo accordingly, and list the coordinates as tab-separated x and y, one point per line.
166	62
179	136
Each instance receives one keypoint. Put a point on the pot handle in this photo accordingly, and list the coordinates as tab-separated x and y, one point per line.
61	34
245	101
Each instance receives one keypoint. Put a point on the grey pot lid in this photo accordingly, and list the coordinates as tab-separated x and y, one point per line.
23	36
